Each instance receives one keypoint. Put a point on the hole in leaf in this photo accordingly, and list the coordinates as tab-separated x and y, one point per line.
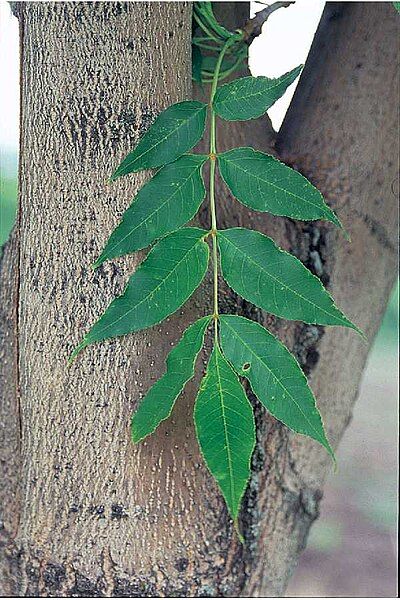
246	366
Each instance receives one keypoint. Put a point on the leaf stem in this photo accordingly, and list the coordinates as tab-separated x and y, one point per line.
214	220
213	151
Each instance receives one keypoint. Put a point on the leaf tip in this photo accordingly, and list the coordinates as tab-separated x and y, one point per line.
333	218
336	221
351	325
346	234
362	334
77	351
136	437
358	330
238	532
332	455
97	263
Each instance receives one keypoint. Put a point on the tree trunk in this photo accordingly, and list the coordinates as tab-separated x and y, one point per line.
84	512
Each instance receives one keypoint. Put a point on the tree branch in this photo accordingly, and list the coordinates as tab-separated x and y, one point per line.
253	27
15	8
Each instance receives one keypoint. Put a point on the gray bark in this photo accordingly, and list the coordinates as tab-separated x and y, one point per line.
84	512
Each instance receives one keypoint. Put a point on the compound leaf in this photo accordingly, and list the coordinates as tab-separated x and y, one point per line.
274	374
167	277
264	183
225	429
250	97
165	203
274	280
159	401
175	131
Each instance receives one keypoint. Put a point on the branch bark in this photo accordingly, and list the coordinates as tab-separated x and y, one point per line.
253	27
97	516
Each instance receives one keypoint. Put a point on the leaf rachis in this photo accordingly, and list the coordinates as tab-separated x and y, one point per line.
213	153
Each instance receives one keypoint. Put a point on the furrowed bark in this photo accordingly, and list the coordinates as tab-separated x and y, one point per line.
9	405
98	516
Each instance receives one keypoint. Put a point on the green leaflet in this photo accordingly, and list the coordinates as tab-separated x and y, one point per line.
167	277
165	203
159	401
176	130
225	429
250	97
264	183
397	6
274	374
274	280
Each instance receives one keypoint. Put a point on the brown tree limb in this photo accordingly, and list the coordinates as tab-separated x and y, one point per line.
253	27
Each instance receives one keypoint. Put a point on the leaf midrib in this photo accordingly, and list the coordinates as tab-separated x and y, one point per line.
276	379
280	282
228	451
